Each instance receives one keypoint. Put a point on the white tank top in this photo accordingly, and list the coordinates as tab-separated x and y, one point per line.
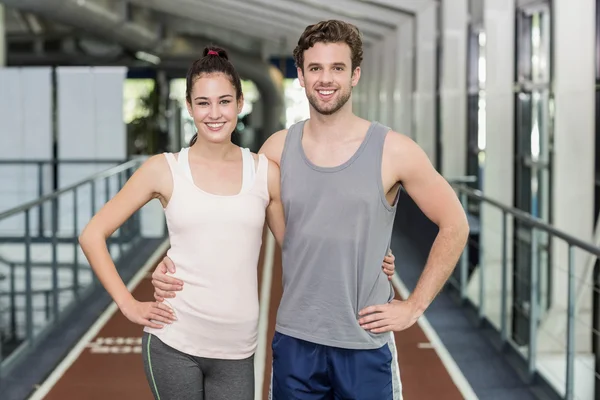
215	244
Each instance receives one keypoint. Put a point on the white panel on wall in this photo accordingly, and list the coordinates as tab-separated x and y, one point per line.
388	80
76	119
499	27
37	112
574	62
110	131
25	133
405	81
366	81
370	72
2	38
11	112
91	126
378	82
25	113
453	87
499	152
425	92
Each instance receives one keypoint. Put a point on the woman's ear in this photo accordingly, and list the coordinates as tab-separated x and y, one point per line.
240	104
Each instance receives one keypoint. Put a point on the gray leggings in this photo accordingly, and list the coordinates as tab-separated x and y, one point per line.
176	375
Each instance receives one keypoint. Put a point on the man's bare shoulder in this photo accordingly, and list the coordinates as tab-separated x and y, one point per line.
398	143
403	154
273	146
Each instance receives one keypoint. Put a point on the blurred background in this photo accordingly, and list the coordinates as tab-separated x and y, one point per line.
501	94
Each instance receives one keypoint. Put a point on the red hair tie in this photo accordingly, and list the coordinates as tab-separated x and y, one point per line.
212	53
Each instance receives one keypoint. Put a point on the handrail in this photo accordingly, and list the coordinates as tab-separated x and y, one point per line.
53	195
527	310
462	179
529	219
125	240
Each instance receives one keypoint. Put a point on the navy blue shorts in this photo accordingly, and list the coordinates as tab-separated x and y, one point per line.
304	370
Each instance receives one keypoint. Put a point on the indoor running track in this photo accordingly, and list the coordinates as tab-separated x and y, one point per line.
107	362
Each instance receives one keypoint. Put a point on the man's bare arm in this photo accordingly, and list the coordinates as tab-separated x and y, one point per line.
438	201
273	146
275	213
436	198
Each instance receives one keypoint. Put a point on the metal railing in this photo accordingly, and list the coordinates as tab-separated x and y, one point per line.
45	279
528	281
47	178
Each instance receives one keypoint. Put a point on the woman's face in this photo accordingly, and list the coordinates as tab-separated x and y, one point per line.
214	107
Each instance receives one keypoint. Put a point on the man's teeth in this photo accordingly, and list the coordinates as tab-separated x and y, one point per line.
216	125
326	92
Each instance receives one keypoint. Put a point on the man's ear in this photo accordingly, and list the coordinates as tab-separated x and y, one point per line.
300	76
355	76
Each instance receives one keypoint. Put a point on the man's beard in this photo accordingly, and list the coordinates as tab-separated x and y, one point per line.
329	108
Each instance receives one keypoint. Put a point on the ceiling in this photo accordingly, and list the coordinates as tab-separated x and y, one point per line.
85	31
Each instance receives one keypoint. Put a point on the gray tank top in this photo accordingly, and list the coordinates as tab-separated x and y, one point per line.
338	230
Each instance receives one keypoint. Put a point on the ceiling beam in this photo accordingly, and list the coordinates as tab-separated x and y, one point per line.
296	12
407	7
191	10
359	11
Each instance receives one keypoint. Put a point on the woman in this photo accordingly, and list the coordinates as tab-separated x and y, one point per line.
215	196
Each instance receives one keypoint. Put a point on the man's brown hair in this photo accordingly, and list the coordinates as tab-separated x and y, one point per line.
331	31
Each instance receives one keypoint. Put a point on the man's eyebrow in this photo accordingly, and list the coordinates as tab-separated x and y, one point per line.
336	64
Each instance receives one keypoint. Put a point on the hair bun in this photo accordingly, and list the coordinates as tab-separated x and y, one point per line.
215	51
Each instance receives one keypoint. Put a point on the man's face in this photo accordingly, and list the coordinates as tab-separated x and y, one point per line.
327	77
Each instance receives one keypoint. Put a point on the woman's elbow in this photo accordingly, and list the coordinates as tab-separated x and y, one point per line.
89	234
83	238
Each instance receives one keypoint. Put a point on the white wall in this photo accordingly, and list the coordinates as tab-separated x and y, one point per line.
359	93
375	61
388	78
368	81
498	172
2	38
453	88
25	134
573	188
499	28
403	93
90	126
90	118
385	91
574	127
424	100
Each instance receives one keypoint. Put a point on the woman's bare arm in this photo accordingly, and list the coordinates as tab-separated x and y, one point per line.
152	180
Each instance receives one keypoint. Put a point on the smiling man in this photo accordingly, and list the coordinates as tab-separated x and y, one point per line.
340	179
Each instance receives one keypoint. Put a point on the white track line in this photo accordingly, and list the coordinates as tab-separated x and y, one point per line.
93	331
263	319
455	373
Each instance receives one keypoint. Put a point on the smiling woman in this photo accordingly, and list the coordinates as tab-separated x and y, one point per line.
215	196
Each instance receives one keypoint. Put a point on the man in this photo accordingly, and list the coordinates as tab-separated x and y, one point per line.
340	178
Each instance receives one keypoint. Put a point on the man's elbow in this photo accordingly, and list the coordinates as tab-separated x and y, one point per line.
457	227
464	231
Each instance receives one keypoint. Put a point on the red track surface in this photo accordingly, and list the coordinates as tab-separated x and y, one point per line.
111	366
